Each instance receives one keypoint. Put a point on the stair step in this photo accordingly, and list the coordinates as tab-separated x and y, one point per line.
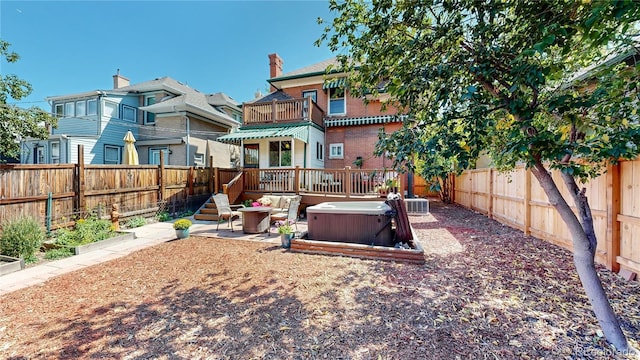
206	217
210	205
209	211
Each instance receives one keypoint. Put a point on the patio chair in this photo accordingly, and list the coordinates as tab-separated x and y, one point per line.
225	210
291	214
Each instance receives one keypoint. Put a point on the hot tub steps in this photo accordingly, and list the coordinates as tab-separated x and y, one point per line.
414	256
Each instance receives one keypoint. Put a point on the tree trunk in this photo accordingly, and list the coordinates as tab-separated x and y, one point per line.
583	252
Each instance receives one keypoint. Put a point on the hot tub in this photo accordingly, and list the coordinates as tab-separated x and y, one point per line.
361	222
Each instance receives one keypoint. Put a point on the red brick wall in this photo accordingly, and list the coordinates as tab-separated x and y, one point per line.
355	106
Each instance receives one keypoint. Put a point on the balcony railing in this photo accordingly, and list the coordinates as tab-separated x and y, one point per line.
283	111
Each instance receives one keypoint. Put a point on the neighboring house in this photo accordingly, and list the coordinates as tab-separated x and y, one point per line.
311	120
163	114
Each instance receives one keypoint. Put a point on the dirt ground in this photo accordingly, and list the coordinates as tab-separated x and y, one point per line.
486	291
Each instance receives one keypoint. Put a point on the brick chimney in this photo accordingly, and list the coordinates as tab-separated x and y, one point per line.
275	67
119	80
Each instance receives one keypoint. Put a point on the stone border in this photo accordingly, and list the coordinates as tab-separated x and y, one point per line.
77	250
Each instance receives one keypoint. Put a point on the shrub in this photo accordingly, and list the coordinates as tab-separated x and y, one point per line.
86	231
182	224
163	216
136	222
60	253
21	238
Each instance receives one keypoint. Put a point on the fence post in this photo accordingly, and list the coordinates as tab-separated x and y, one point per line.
190	179
211	175
81	201
527	201
347	180
490	196
161	177
613	210
216	180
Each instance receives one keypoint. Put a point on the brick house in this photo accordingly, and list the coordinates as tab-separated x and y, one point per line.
335	129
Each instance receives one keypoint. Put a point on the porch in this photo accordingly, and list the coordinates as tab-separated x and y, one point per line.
282	112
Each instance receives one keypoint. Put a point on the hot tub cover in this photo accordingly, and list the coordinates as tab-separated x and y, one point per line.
350	207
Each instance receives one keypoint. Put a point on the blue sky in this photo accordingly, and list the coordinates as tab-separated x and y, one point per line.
68	47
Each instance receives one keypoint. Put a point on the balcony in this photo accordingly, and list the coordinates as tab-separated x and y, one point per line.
282	112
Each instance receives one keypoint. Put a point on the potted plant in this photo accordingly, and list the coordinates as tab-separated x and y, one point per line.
286	232
182	228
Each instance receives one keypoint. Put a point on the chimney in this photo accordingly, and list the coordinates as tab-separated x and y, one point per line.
119	80
275	67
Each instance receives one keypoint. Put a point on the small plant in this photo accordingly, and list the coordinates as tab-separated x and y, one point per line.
182	224
284	227
21	238
86	231
185	213
163	216
247	203
136	222
55	254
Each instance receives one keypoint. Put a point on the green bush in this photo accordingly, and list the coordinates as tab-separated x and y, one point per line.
136	222
60	253
86	231
163	216
21	238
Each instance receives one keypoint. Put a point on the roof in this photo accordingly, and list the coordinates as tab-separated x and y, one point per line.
221	99
311	70
368	120
300	132
276	95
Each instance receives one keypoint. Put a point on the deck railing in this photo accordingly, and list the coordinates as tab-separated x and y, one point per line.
346	182
283	111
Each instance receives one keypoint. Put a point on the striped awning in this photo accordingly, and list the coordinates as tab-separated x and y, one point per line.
334	83
383	119
297	132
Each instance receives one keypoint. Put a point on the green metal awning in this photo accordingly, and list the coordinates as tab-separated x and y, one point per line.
297	132
335	83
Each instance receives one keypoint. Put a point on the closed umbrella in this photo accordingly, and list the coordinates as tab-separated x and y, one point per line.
130	152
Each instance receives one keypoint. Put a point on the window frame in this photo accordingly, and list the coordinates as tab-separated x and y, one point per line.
314	97
84	108
255	148
112	147
127	108
116	108
333	154
330	99
95	107
55	159
319	151
156	150
149	117
59	110
69	109
281	144
198	159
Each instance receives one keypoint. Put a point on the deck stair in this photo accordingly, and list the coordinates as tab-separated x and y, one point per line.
207	212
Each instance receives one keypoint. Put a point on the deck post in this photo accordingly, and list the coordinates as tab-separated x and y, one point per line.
216	180
347	180
211	175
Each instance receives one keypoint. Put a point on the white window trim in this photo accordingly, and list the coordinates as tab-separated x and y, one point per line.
344	101
96	106
85	108
319	151
153	150
54	159
332	148
127	107
309	91
116	108
72	106
115	147
60	112
198	159
147	113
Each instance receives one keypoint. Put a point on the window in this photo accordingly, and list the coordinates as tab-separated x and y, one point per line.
55	152
59	111
81	108
38	154
154	155
319	151
251	156
128	113
279	153
149	117
198	159
92	107
112	154
313	94
68	109
111	109
337	101
336	151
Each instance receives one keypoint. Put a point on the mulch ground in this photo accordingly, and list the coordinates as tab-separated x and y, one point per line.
486	291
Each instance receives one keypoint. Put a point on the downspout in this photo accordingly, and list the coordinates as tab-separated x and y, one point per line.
188	131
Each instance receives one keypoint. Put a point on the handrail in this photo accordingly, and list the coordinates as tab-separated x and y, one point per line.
283	111
234	188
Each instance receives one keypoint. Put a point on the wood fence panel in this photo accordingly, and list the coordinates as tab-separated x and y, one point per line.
510	206
629	216
508	197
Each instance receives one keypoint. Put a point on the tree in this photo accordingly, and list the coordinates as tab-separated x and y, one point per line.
497	76
17	123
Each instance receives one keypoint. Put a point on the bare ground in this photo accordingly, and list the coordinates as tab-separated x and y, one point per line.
486	291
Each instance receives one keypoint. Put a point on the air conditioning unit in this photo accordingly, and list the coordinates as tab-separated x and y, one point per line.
417	206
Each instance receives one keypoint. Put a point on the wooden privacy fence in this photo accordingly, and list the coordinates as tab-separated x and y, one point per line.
516	199
58	194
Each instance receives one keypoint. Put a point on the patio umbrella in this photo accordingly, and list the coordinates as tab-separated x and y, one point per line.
130	152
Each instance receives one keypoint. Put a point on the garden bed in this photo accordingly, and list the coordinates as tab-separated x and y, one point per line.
82	249
10	264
